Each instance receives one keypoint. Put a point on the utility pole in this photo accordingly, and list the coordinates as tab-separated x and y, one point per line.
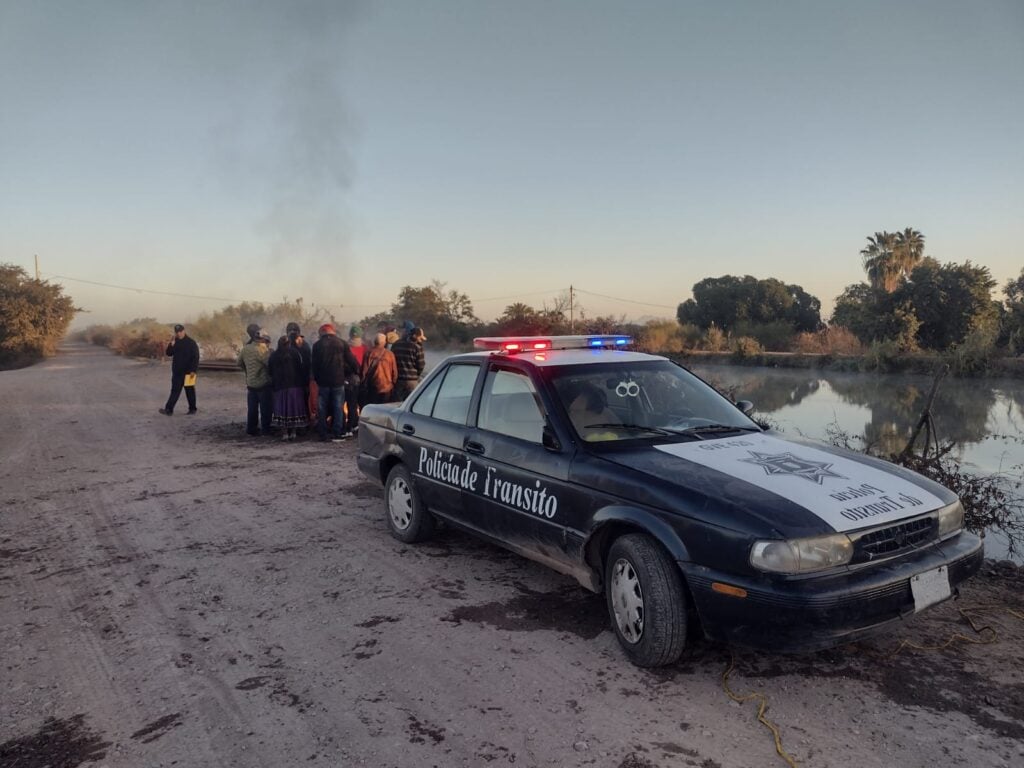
37	267
572	320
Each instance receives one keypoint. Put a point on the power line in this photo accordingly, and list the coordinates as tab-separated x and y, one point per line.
235	301
201	298
628	301
142	290
519	295
348	306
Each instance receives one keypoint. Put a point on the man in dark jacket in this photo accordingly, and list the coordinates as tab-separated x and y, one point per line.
184	354
333	365
410	361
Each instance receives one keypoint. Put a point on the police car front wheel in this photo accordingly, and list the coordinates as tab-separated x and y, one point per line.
646	601
408	519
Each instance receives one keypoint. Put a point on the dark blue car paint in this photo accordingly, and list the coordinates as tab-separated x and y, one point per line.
705	519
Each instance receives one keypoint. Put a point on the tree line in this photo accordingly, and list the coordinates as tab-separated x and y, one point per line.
908	302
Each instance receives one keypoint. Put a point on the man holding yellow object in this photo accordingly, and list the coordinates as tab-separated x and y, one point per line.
184	354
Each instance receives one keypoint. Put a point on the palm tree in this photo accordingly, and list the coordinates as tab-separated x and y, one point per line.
880	261
890	257
909	250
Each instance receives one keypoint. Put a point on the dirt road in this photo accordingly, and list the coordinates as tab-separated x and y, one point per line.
174	592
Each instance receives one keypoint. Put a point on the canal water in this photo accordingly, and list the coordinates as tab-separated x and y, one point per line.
984	417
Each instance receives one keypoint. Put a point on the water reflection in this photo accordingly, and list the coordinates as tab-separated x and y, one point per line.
983	417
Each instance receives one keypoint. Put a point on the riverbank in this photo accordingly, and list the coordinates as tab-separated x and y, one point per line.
1003	367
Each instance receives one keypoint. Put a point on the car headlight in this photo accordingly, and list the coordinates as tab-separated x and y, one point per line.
802	555
951	519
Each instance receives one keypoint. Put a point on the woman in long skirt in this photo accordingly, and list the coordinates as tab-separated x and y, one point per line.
290	407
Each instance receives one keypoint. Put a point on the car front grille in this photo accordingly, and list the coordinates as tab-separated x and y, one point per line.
895	539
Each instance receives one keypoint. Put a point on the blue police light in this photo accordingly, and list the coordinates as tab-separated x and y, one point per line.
609	341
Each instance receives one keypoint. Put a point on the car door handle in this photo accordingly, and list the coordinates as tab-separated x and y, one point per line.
409	429
471	446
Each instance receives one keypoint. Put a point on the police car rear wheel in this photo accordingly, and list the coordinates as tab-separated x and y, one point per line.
408	520
646	601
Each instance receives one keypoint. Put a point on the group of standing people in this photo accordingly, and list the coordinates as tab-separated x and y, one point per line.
295	384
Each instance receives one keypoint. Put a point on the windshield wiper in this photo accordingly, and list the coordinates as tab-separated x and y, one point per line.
712	428
667	432
631	427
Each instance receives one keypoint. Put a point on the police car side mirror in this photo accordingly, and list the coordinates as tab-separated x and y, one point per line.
549	440
746	406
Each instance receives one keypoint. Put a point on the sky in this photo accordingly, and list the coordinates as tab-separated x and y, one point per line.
338	151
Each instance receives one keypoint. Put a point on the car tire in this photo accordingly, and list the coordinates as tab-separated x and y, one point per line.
408	519
646	601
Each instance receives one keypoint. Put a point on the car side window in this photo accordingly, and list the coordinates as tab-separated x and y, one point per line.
510	407
425	400
454	394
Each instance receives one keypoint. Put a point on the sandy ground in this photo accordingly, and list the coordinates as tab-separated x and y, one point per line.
174	592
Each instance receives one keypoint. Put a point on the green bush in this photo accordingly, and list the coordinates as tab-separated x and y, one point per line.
775	337
691	335
34	316
881	356
974	355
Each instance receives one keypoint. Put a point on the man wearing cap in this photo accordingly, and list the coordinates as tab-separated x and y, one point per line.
333	365
184	354
410	361
259	393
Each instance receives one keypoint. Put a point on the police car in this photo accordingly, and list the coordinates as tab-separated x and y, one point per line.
632	475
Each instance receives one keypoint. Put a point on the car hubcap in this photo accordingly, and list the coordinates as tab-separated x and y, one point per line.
400	504
627	601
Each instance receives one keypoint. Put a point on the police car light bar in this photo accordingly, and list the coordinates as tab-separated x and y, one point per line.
513	344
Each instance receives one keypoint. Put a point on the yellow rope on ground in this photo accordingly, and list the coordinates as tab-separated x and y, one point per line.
969	616
761	709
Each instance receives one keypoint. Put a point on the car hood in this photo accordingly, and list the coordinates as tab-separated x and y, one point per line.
796	487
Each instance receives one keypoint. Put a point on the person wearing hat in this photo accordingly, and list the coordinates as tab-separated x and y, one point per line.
259	393
184	354
352	381
333	365
410	361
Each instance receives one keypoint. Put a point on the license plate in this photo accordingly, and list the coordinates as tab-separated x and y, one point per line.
930	587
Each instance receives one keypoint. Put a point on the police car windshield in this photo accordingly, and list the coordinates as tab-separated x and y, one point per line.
645	400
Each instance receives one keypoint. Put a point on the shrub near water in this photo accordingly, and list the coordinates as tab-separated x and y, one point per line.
975	354
661	336
828	341
746	347
774	337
